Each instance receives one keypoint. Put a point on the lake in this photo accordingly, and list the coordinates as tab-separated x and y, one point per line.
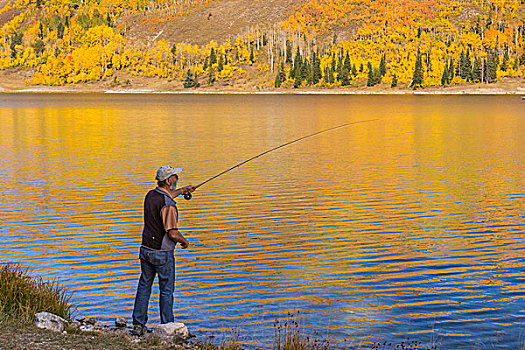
408	224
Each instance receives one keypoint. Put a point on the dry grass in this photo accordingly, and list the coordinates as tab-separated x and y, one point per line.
22	296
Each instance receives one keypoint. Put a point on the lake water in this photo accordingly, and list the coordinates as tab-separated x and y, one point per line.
412	225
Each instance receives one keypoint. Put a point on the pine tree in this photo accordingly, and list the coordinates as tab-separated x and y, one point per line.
340	67
252	57
213	57
467	67
382	65
280	77
461	64
394	81
491	67
444	77
505	64
297	63
476	70
211	76
451	70
189	80
417	79
317	73
220	65
370	78
354	70
289	52
60	30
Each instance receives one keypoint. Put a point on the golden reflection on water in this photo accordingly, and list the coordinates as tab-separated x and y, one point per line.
397	226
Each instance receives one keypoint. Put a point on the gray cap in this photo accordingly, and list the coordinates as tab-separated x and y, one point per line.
166	171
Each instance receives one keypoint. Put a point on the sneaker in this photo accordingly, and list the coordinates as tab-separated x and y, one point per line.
138	330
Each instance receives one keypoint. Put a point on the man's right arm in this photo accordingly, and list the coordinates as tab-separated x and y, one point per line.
176	236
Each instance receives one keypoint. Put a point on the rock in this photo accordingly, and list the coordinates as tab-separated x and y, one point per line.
171	331
75	324
120	322
90	321
47	320
87	328
81	319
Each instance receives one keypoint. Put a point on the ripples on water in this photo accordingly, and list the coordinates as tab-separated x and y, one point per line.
410	226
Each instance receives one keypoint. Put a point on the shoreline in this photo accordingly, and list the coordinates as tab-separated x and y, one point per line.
472	91
12	82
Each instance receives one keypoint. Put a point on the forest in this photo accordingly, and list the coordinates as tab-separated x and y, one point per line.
324	44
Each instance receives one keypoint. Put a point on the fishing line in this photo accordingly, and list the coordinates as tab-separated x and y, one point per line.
188	195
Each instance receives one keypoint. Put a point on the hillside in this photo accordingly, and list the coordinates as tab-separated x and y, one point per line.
348	45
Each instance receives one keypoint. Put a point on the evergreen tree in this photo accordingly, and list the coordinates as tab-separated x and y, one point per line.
516	64
461	64
347	63
333	67
451	70
417	79
340	67
370	80
109	21
305	69
476	70
280	77
467	67
41	31
354	70
211	76
213	57
60	30
289	52
252	57
205	65
505	63
189	80
344	79
444	77
297	63
394	81
382	65
220	65
317	73
491	67
225	59
522	57
361	68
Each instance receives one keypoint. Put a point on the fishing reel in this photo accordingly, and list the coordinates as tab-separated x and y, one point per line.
187	196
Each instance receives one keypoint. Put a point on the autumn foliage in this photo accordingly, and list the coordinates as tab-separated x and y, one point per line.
324	43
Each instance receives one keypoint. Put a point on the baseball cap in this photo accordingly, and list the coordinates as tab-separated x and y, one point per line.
166	171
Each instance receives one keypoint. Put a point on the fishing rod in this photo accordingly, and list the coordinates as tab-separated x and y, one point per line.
188	195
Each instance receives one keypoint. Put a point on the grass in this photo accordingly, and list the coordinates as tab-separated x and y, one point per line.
288	336
22	296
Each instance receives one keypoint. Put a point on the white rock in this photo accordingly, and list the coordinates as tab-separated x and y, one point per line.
87	328
171	330
50	321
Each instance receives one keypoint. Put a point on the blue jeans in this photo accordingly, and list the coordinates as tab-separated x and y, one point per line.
154	262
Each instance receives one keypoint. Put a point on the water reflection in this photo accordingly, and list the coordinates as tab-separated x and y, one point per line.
406	226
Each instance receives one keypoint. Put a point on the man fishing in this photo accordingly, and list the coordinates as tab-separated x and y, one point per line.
159	237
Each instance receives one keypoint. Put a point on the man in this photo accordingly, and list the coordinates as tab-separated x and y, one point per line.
159	237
